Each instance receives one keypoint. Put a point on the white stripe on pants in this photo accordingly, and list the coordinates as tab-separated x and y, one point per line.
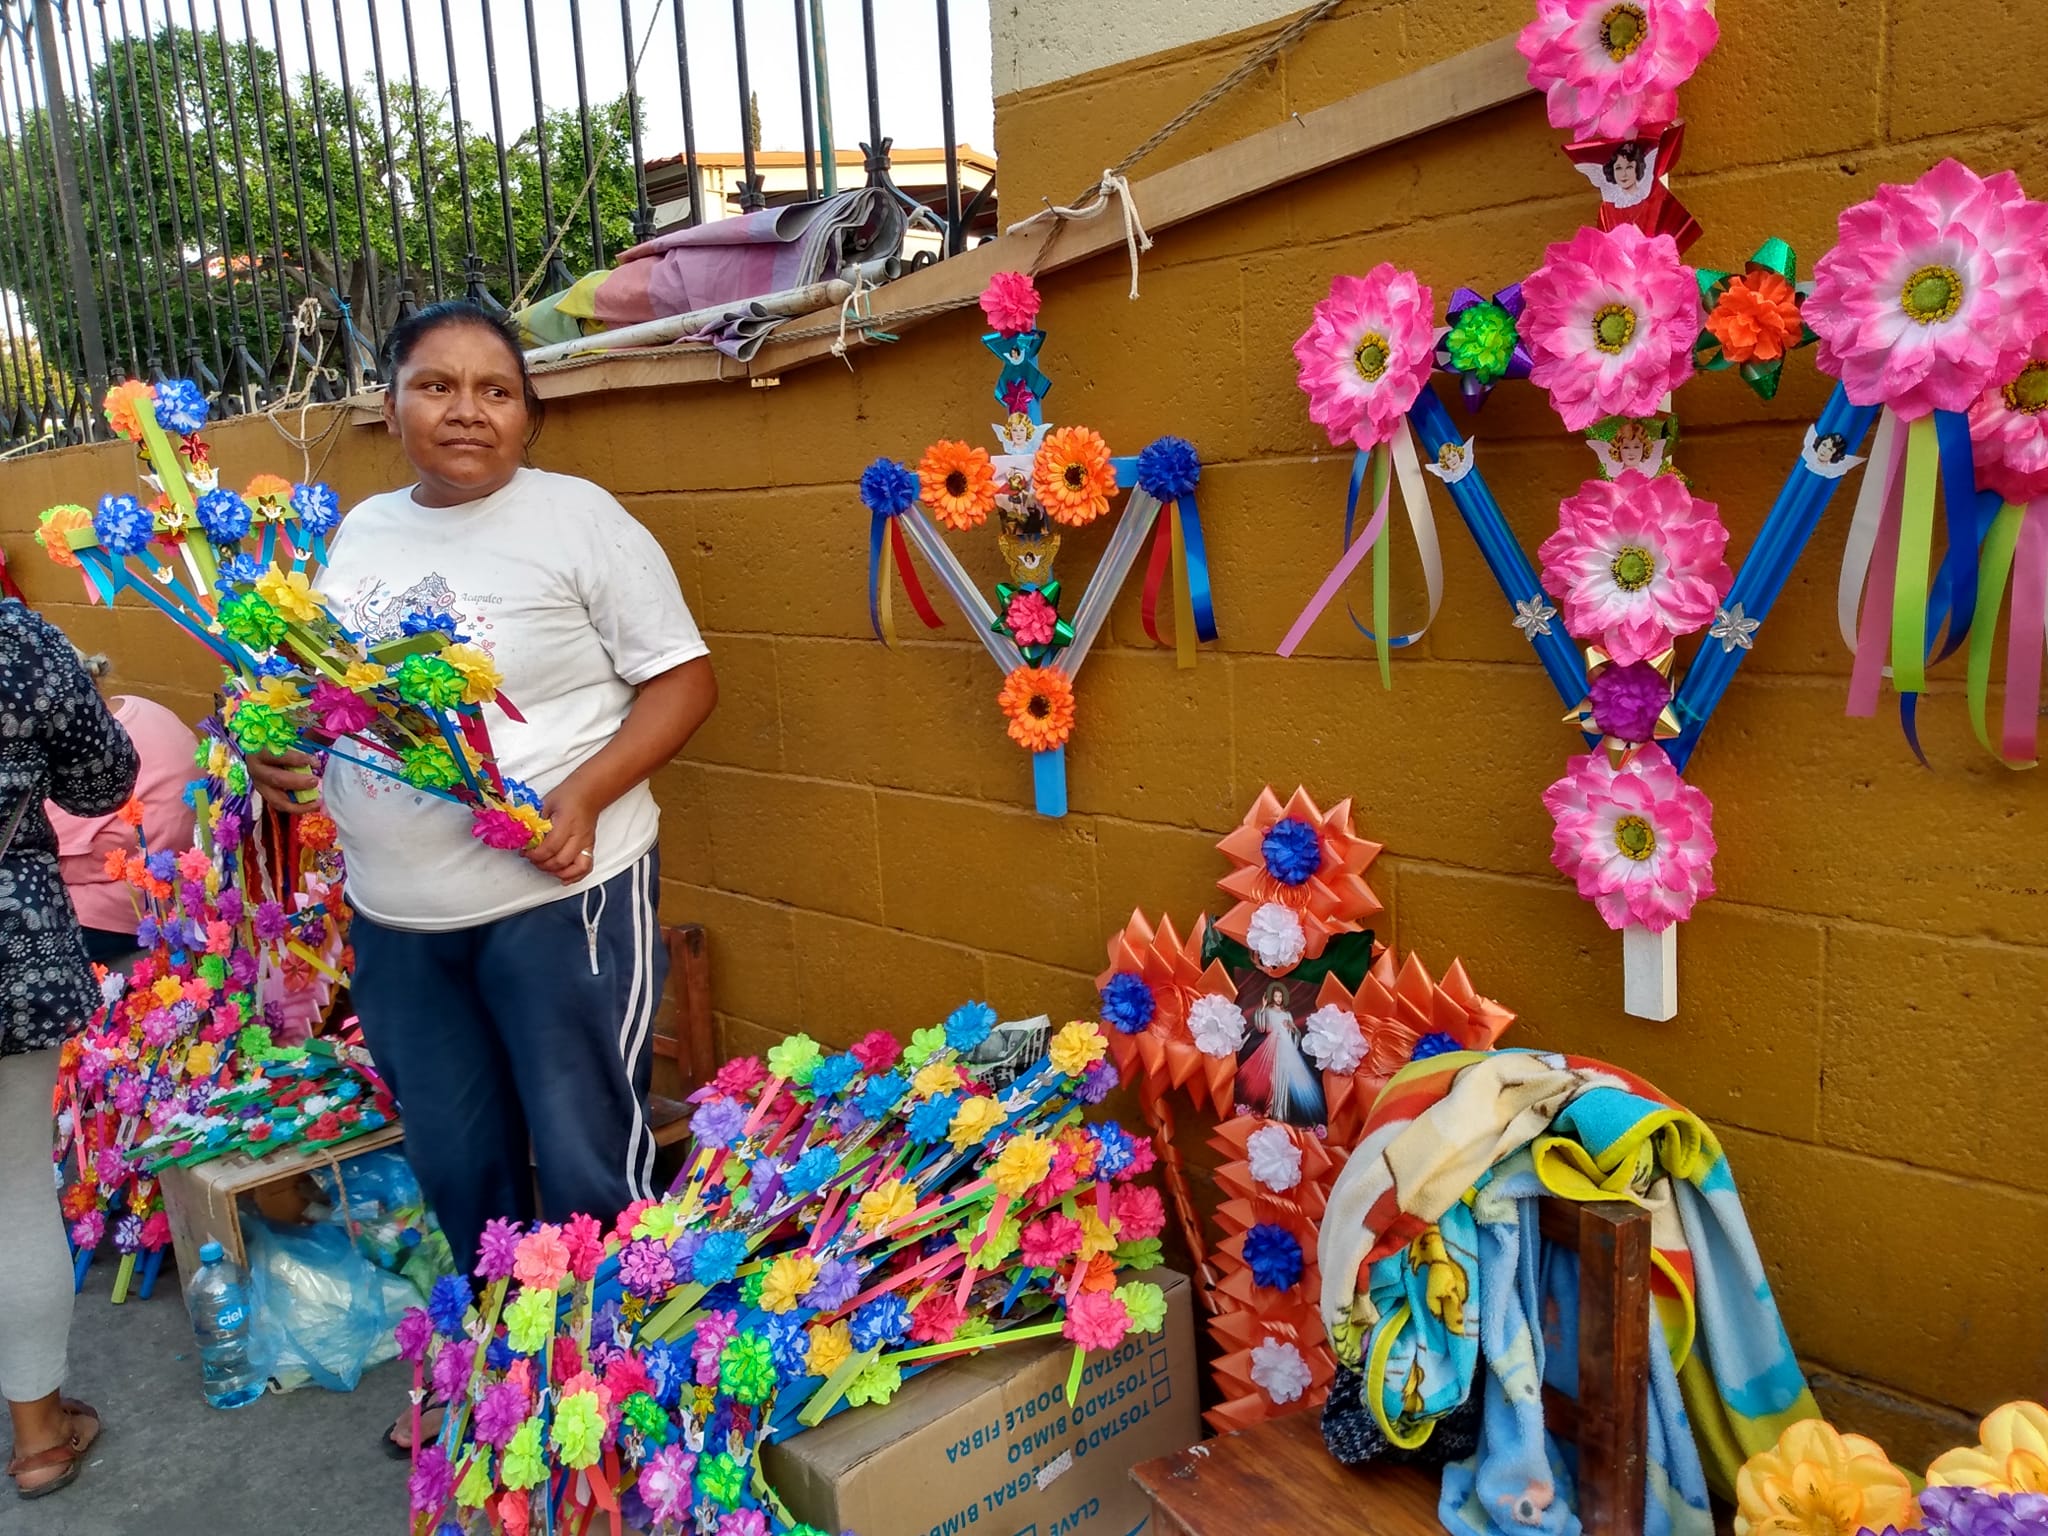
35	1260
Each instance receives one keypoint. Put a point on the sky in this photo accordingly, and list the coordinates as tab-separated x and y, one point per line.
906	36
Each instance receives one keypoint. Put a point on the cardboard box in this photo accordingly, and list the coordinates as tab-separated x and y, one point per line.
989	1444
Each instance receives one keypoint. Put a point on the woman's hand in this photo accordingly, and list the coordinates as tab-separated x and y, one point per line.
568	852
285	780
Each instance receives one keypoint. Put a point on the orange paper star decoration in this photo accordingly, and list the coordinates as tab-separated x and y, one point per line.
1333	900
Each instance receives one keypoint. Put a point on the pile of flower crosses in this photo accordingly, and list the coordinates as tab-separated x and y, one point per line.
841	1221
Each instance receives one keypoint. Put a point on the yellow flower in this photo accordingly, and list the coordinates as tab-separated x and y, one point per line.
1077	1048
787	1279
202	1059
1024	1162
935	1077
480	677
531	819
1095	1235
973	1120
1815	1482
887	1202
276	693
168	990
2011	1455
362	674
831	1347
290	594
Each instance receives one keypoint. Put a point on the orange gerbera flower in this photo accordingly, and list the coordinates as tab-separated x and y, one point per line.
1756	318
959	484
1040	704
1072	476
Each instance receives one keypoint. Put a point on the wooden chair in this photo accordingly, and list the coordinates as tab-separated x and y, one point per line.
685	1037
1277	1476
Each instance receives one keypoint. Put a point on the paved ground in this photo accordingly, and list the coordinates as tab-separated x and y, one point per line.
303	1463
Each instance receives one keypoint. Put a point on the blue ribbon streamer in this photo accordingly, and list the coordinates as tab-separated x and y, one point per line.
1789	525
1198	565
1503	555
878	531
1968	514
1049	781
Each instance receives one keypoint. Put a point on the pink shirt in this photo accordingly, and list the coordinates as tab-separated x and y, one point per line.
166	746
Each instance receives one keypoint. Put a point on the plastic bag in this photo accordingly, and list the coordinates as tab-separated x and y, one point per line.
377	1183
319	1309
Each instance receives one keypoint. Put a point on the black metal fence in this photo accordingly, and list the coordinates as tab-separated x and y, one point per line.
230	190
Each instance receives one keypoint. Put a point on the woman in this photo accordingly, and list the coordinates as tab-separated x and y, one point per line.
1276	1080
57	742
509	1004
165	744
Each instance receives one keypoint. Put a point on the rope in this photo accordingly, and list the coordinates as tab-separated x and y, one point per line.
305	323
1114	185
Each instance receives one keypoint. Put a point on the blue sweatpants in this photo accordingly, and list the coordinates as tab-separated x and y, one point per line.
531	1031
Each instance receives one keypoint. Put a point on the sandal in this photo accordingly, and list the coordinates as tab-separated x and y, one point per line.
70	1455
430	1427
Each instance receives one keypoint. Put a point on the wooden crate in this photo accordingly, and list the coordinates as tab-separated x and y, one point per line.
204	1202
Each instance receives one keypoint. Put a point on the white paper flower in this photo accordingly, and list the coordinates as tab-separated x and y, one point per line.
1275	937
1332	1039
112	985
1274	1158
1217	1025
1279	1371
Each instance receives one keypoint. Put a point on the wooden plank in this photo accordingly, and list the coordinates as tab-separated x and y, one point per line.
690	955
1434	96
1614	1366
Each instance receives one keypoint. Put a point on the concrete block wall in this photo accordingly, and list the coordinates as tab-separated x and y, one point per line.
1861	1007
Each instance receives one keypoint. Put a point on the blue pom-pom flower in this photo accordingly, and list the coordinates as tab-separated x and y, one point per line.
831	1075
929	1121
888	488
968	1025
180	407
447	1302
223	515
1127	1003
1274	1255
318	507
1292	851
721	1255
882	1321
1435	1043
421	622
238	570
123	526
883	1094
1169	469
808	1173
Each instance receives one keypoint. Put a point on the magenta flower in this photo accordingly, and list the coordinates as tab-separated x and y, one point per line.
1097	1320
1638	839
743	1522
1635	562
645	1269
1606	69
665	1484
341	711
414	1331
500	829
1610	320
501	1411
270	922
877	1051
432	1481
1628	699
1011	302
2009	431
1934	292
1031	619
1366	355
712	1332
87	1231
498	1249
451	1369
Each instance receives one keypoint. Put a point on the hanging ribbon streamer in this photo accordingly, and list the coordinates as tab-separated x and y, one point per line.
886	526
1915	550
1875	523
1362	462
2017	544
1422	524
1801	501
1536	614
1168	471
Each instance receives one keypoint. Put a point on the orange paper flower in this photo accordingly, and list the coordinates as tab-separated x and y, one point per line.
1815	1479
1040	704
2011	1455
121	413
274	490
1072	476
959	484
1756	318
56	523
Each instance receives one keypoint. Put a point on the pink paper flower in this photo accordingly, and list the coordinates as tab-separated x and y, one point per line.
541	1259
877	1051
500	829
740	1076
1139	1213
1610	320
1031	618
2009	431
1097	1320
341	711
1607	69
1011	302
1048	1241
936	1319
1637	839
1366	355
585	1240
1635	562
1934	292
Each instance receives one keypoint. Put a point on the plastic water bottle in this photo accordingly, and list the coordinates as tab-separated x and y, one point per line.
218	1302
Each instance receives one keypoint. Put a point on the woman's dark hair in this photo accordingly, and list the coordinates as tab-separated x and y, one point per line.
416	327
1630	151
1831	448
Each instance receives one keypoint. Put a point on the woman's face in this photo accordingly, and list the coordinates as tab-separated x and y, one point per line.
458	408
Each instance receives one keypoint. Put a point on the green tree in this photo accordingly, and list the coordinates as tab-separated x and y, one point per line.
215	204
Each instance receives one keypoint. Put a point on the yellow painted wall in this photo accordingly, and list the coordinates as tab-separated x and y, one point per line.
1862	1007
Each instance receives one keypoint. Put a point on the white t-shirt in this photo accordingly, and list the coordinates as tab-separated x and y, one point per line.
577	605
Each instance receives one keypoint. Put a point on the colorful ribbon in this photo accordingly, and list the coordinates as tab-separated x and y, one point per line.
884	527
2016	545
1422	523
1178	544
1364	461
